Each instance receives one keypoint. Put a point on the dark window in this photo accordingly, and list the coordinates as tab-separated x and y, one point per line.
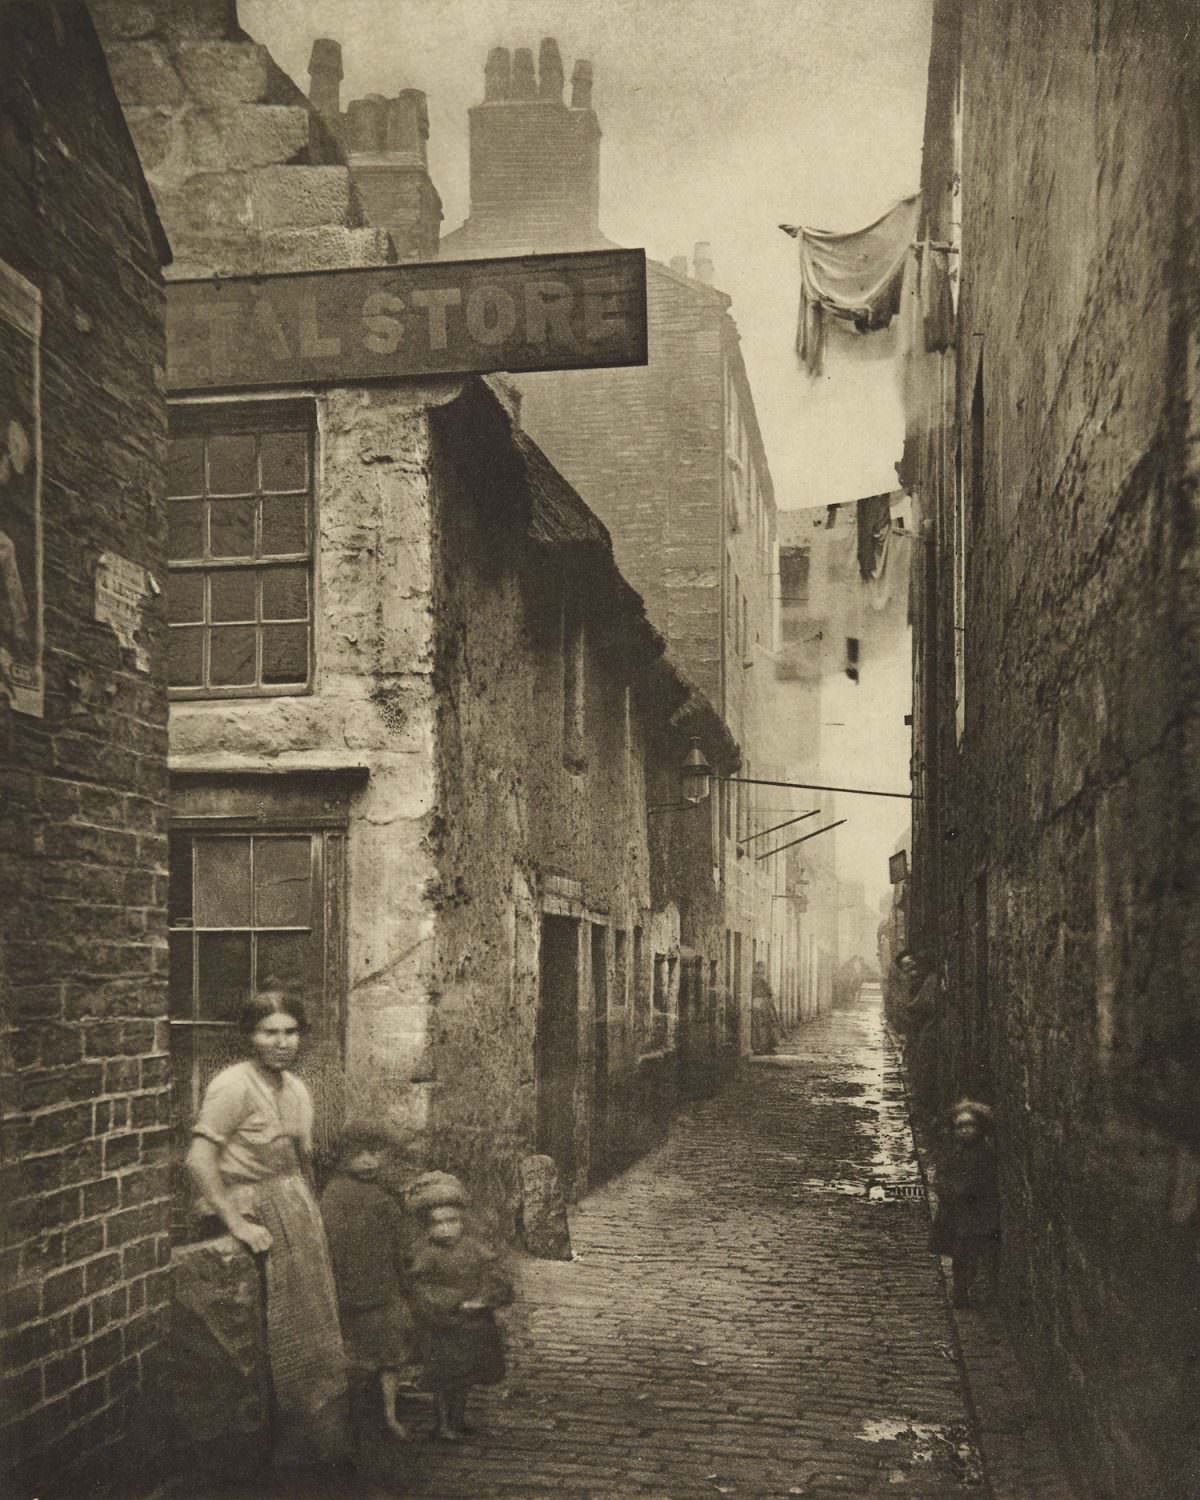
793	592
239	539
574	746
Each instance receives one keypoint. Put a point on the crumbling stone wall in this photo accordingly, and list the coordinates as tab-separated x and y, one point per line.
246	174
1067	819
83	1036
531	824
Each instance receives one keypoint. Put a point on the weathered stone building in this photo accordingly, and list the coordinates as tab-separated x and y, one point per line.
1053	451
417	716
83	791
686	493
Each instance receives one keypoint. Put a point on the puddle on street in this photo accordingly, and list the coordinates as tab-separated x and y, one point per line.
937	1445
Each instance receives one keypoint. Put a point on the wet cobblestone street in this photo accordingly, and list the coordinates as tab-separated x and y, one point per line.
743	1316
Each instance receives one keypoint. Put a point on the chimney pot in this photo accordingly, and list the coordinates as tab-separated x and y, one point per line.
702	263
550	71
408	123
679	264
325	77
581	85
497	74
366	123
326	57
524	80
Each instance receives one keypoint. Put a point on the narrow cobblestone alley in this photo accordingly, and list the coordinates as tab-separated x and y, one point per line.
743	1317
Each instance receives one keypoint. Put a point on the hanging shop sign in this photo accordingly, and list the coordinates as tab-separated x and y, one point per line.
584	310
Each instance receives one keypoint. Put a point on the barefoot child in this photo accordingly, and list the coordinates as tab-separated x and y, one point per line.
369	1243
967	1226
455	1282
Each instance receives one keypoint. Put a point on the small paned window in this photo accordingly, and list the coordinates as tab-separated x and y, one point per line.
246	908
240	550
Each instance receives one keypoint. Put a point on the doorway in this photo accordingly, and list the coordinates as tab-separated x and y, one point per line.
598	1168
558	1045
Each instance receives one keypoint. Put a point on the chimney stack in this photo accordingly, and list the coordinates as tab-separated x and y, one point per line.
702	265
581	86
535	160
325	78
550	71
385	144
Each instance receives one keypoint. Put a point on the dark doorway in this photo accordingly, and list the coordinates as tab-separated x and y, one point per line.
558	1045
598	1167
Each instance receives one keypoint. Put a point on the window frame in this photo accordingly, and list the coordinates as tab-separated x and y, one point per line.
317	803
217	418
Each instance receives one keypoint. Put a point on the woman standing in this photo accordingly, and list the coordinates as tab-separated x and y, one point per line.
250	1150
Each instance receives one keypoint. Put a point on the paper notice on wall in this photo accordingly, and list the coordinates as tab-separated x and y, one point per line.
21	631
123	589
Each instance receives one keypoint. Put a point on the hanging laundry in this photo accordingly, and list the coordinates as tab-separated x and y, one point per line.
874	518
855	277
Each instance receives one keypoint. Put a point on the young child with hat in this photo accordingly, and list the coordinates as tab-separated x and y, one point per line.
455	1282
967	1224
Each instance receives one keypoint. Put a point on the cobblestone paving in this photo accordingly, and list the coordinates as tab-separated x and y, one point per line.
744	1317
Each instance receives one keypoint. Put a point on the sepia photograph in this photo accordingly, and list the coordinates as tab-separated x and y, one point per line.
599	749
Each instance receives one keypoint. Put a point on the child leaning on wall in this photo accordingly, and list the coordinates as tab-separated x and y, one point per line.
370	1240
456	1281
967	1223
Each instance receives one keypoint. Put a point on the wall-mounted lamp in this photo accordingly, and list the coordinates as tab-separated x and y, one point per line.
696	778
694	775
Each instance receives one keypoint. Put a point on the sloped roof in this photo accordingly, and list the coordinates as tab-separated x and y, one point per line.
557	517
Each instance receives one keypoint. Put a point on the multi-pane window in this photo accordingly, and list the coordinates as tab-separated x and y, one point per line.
244	908
239	589
793	592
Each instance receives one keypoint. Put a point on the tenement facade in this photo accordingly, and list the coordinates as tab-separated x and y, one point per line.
669	456
84	1067
1053	452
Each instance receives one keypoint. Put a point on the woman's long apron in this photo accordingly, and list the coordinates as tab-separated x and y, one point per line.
304	1341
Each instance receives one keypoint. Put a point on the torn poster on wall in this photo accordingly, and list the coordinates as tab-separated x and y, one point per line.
21	624
124	589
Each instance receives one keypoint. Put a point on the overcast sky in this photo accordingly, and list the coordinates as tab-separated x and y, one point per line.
721	119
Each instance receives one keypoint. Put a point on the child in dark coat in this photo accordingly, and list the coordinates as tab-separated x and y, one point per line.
967	1224
455	1283
370	1239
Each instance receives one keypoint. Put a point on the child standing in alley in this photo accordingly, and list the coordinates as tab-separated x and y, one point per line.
370	1240
967	1224
455	1283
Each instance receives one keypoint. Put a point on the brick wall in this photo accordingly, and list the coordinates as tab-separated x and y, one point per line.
1065	828
82	818
645	447
535	160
